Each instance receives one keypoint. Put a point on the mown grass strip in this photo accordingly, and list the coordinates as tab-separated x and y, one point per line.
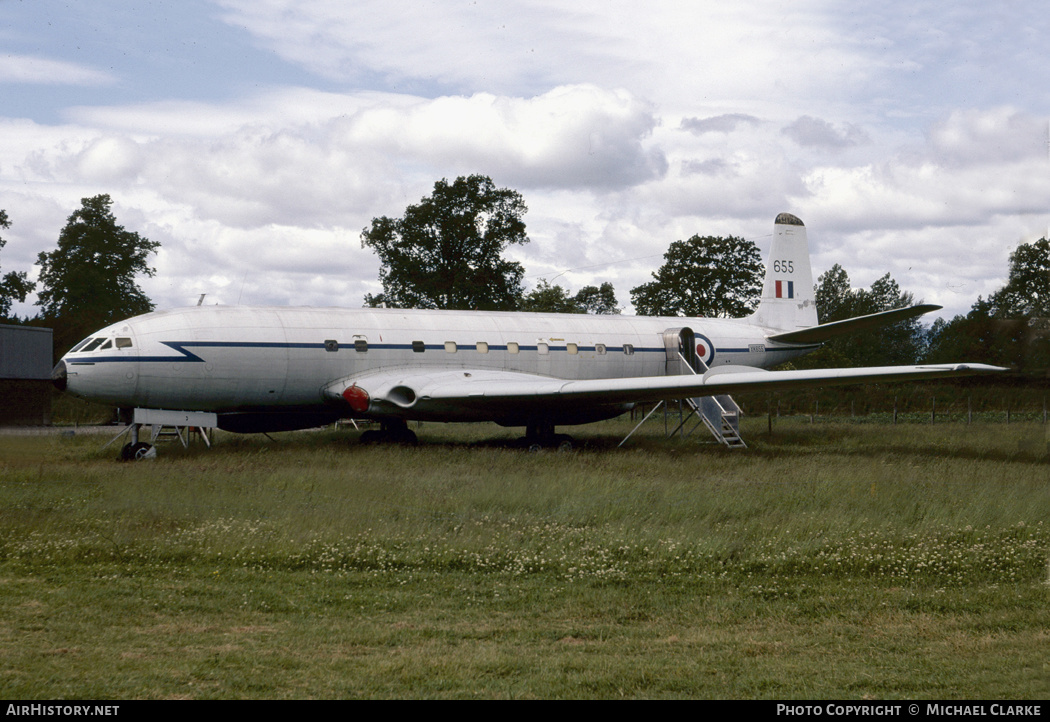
837	561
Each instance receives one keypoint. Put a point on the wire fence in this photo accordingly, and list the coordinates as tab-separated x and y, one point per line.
1024	402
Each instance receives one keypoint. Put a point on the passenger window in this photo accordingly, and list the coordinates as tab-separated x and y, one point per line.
628	349
123	343
450	346
572	348
483	347
331	345
418	347
512	347
543	348
360	345
600	348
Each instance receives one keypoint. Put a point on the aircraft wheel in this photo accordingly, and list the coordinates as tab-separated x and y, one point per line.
535	447
403	436
372	436
563	442
140	450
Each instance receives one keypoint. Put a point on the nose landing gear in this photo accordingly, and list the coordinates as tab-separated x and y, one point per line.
137	450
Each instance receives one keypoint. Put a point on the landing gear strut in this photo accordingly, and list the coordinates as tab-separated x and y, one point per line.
390	432
540	435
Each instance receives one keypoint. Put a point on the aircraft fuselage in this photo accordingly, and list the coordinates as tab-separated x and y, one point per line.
236	359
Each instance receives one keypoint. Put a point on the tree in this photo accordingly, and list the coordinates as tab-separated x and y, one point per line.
977	336
1011	327
89	280
899	343
13	286
446	251
704	276
599	300
1027	290
546	298
555	299
834	296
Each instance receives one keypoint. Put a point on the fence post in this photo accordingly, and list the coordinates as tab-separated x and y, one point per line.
933	409
895	408
969	409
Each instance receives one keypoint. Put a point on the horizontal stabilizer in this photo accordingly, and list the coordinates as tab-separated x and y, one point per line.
825	331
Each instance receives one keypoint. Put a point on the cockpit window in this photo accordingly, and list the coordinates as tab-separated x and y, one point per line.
79	345
95	343
107	344
123	342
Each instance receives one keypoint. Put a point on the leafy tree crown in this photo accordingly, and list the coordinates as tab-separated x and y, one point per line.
89	280
446	251
14	286
704	276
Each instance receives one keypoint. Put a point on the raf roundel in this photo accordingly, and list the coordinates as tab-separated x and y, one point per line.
705	350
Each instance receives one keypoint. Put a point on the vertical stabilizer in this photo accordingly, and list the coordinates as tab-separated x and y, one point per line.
787	301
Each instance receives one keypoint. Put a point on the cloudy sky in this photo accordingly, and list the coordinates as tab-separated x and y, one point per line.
255	139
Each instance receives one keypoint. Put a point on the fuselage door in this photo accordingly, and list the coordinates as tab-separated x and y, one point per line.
680	345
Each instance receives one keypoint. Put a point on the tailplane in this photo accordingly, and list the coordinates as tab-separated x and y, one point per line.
787	301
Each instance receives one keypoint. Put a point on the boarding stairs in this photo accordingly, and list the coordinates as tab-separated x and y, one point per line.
720	414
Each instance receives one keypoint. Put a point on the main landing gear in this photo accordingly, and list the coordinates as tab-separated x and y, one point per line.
390	432
540	435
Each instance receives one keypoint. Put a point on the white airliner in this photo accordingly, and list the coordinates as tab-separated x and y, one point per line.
258	369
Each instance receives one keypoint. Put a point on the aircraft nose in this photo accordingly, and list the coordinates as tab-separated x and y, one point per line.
58	376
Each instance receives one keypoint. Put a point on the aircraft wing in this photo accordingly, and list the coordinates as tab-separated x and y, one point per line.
488	393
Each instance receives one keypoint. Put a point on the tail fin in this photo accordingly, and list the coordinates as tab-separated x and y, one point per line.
787	301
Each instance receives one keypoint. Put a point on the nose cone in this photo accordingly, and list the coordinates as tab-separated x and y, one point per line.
58	376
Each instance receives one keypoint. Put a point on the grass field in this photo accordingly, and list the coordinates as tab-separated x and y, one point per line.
829	560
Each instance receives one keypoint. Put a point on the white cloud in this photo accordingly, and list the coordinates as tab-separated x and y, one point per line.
315	163
997	135
31	69
814	132
976	165
624	126
725	123
665	51
579	136
269	108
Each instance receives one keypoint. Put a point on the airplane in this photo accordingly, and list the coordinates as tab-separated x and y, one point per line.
261	369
